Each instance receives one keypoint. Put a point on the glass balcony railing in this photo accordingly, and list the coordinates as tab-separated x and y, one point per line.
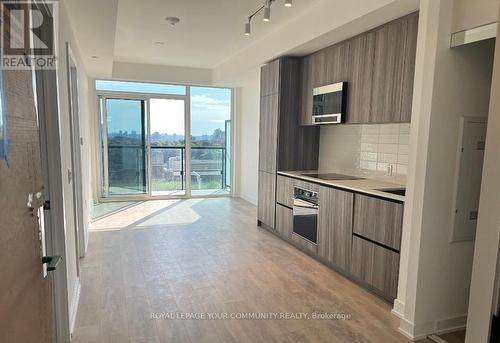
168	165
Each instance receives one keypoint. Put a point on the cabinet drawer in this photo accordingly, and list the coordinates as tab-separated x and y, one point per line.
304	243
284	190
378	220
284	221
376	266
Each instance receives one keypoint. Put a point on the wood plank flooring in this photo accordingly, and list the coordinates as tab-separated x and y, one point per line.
205	256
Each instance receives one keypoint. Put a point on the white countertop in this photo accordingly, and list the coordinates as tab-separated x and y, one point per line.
365	186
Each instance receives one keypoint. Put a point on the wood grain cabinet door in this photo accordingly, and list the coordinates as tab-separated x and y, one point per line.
376	266
284	221
268	133
362	54
267	198
410	52
335	226
306	92
378	220
269	78
284	190
387	85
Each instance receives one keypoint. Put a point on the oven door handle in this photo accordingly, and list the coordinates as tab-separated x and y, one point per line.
304	204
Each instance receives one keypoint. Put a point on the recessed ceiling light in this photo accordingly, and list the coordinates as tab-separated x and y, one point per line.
172	20
288	3
159	43
94	57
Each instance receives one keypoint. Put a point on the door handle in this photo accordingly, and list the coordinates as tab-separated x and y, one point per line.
51	262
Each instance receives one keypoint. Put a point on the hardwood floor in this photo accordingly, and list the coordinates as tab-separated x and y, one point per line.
207	256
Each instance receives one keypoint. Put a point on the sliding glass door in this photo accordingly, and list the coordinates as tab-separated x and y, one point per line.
125	147
164	140
210	140
168	147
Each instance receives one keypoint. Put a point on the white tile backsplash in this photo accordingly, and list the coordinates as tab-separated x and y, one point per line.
366	150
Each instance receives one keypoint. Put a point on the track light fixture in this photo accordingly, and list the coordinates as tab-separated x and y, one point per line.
248	28
266	8
267	11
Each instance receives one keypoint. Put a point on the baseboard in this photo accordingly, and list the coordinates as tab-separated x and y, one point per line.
442	326
248	199
87	238
74	305
398	309
415	332
451	324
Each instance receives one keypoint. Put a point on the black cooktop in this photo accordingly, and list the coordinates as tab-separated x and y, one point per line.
332	176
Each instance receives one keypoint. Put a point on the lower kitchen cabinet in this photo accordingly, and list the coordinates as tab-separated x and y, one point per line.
335	226
376	266
267	199
379	220
284	221
284	190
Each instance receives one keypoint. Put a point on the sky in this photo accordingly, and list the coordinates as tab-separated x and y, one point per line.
210	108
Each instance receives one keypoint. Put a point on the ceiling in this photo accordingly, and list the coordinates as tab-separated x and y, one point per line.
210	31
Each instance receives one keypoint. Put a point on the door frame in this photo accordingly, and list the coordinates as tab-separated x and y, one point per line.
146	97
47	105
76	154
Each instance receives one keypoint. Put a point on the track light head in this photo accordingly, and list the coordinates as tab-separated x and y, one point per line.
248	28
288	3
267	12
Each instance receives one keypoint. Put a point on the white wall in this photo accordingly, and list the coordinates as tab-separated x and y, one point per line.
488	228
468	14
247	109
449	83
65	34
157	73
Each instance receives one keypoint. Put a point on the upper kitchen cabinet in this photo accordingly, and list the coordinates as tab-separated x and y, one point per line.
269	78
411	23
379	66
394	68
387	83
331	65
361	56
306	91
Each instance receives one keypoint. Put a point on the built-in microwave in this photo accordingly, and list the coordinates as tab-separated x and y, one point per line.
330	104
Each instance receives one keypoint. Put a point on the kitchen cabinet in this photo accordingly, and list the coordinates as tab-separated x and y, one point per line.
268	133
375	266
387	84
411	23
284	221
361	55
269	78
283	144
267	199
379	66
284	190
378	220
335	226
331	64
306	91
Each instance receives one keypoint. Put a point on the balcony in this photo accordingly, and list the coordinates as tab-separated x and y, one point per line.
209	168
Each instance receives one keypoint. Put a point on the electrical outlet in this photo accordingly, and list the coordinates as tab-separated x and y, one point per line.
389	170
